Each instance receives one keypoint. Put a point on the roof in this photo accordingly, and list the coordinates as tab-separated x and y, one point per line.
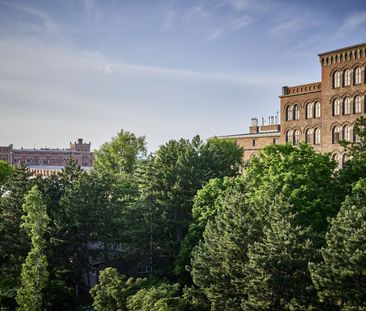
343	49
251	135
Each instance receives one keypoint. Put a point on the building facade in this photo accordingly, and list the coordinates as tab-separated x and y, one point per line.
46	159
320	113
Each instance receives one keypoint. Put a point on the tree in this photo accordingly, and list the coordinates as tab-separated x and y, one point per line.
355	167
302	176
341	277
161	297
205	206
277	275
218	261
34	271
112	291
14	243
120	156
5	172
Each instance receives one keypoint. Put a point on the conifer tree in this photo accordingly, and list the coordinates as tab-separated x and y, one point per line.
277	276
14	243
34	271
341	278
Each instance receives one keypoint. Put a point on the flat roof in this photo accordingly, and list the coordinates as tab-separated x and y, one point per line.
252	135
343	49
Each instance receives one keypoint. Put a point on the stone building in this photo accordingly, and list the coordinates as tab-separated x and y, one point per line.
45	161
319	113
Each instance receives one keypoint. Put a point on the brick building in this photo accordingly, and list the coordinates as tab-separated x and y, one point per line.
320	113
46	160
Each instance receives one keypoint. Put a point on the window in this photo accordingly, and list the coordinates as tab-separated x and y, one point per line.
344	159
357	104
309	110
296	137
336	107
347	78
296	112
317	136
254	142
335	157
308	136
335	134
346	106
275	140
356	138
317	110
357	75
336	79
289	137
346	133
289	113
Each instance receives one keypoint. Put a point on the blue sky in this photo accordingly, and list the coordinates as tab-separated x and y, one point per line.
163	69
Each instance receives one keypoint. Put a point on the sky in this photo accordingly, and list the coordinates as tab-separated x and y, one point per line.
162	69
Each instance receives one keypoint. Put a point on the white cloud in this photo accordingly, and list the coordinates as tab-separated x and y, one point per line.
352	22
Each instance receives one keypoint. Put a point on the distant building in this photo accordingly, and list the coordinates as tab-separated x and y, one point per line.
320	113
46	161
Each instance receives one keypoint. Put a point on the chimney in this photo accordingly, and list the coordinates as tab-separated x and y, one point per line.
284	90
253	126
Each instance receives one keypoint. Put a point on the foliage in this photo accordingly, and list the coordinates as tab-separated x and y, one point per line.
302	176
277	276
162	297
355	167
5	172
341	277
14	243
218	261
112	290
34	271
205	206
119	157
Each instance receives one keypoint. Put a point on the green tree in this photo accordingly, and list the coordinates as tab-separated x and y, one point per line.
355	167
120	156
5	172
218	261
112	291
205	205
34	271
277	275
341	277
162	297
304	178
14	243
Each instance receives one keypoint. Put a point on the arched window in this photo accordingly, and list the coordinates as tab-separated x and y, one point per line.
347	78
346	133
335	157
289	113
346	106
296	137
296	112
357	104
336	79
317	136
344	159
356	138
317	110
309	110
336	107
289	137
309	136
357	75
335	135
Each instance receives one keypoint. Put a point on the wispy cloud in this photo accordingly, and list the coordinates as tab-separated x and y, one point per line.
352	22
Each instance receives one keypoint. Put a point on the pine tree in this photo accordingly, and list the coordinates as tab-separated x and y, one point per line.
218	261
34	271
14	243
277	276
341	278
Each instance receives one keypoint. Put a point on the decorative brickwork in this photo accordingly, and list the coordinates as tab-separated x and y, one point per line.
319	113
